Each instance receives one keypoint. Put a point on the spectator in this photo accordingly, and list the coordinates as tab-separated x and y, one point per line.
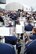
1	20
18	46
33	36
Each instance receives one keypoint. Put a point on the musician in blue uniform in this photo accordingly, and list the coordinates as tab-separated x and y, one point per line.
6	49
31	48
28	27
11	39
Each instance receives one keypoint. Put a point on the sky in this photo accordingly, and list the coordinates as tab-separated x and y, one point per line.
28	3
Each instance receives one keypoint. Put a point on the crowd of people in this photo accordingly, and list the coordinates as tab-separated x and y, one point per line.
27	20
15	17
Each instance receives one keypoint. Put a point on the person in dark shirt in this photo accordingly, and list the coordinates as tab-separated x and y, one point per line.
18	46
6	49
11	39
28	27
1	20
33	36
31	48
